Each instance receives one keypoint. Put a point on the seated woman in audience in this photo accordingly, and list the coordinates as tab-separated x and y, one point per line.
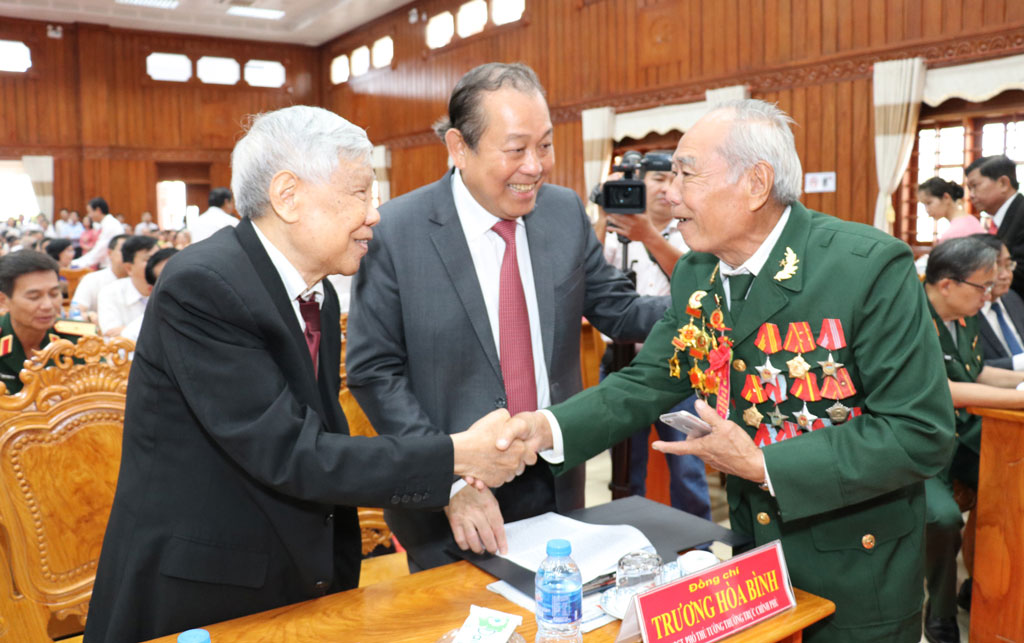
943	199
182	239
62	251
90	234
958	282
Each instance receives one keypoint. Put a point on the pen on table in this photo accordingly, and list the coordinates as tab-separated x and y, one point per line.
599	583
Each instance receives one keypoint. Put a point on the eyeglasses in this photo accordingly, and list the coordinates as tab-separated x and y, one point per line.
1008	265
987	288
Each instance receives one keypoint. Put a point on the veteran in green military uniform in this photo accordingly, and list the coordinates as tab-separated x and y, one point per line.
959	277
812	336
30	293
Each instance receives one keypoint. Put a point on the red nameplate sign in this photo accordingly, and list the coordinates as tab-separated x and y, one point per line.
714	603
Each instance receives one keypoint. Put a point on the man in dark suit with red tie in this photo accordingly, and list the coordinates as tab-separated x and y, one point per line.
238	481
992	183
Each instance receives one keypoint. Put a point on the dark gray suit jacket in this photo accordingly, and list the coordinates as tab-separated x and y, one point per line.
995	353
235	457
421	356
1011	231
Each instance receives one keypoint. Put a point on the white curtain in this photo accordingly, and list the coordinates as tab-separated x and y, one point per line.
975	82
40	171
598	127
381	158
898	88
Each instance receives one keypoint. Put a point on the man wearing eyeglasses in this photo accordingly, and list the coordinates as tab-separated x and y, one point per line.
1001	320
961	275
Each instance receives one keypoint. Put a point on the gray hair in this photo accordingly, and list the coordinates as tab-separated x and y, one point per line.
464	112
305	140
760	132
958	259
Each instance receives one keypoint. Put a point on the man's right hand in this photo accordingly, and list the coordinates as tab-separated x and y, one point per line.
476	521
480	462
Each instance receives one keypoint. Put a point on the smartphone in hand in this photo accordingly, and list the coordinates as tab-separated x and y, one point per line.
686	422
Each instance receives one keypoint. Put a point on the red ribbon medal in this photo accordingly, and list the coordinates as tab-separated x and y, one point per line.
806	388
831	336
768	339
839	387
763	436
776	389
799	338
789	430
752	390
718	364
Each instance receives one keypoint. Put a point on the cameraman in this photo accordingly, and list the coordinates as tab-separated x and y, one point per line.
655	246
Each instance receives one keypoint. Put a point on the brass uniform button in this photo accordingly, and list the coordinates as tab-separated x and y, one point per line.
739	365
764	519
868	541
968	366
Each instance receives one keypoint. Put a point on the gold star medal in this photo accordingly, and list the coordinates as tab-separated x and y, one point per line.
838	412
752	416
673	366
829	366
798	367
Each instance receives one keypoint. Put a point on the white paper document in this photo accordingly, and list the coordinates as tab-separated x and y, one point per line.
595	548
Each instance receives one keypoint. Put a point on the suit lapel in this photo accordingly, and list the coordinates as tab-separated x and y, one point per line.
767	294
540	239
989	335
271	281
453	250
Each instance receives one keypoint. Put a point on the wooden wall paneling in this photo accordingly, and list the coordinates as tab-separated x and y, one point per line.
771	31
412	167
931	18
844	149
828	135
912	20
814	131
861	24
744	36
730	43
864	192
1014	12
811	26
828	27
952	16
894	22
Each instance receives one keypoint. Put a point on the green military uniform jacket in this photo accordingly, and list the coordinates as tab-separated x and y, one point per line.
12	354
849	498
964	360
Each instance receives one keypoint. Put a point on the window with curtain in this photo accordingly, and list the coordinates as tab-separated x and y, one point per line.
949	138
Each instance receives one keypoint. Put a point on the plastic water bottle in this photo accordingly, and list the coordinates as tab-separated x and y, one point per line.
559	596
194	636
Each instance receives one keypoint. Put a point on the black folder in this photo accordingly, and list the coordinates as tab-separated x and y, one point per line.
670	531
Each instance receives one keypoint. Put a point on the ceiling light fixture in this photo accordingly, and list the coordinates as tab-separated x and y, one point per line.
152	4
255	12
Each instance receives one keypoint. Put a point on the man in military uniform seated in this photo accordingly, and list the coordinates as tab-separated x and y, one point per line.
30	293
959	280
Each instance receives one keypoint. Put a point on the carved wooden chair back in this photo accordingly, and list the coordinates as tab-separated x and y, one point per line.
60	452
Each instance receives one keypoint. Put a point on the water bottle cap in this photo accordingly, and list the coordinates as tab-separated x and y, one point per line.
194	636
559	547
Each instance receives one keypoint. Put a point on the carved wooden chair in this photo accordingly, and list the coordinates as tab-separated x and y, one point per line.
60	451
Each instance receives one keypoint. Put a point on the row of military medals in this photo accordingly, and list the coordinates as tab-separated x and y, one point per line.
709	340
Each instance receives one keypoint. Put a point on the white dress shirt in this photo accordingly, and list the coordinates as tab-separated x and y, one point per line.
752	265
119	304
487	250
109	228
294	284
993	322
87	293
650	278
1000	214
209	222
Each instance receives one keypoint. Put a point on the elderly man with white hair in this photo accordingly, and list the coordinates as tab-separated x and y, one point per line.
239	481
810	341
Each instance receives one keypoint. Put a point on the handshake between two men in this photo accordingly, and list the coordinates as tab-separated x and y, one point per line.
498	447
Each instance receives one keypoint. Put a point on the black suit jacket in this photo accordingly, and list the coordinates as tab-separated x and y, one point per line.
1011	231
421	353
994	351
235	456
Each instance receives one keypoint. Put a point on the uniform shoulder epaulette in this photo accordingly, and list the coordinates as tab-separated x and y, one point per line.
6	345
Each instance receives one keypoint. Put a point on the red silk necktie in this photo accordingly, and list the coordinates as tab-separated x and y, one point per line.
514	329
310	312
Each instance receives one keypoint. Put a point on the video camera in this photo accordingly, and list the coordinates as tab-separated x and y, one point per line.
628	195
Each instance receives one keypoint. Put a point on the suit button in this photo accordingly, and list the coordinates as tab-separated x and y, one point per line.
395	499
763	518
500	403
320	587
739	365
417	497
329	518
868	541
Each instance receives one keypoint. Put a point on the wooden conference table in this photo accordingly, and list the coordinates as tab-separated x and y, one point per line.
422	607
